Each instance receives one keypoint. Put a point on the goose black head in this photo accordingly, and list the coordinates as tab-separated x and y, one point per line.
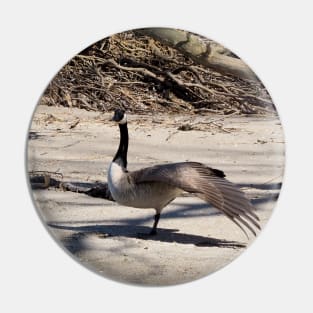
119	116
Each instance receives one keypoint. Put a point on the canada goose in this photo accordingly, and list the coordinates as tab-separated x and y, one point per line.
155	187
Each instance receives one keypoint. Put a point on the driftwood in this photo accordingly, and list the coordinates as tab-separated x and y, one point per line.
44	180
201	52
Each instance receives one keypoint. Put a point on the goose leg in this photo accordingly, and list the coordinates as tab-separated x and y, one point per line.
155	224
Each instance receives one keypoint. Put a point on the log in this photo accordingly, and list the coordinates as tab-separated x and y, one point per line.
205	53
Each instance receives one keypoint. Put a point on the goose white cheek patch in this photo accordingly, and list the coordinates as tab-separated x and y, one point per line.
182	183
123	120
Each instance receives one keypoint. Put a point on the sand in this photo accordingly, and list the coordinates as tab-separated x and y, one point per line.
194	239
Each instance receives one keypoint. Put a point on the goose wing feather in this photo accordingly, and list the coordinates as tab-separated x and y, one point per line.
208	184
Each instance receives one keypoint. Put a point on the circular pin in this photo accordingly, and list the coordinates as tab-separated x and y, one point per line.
155	156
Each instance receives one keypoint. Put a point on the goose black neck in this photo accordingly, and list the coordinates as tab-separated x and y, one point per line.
121	154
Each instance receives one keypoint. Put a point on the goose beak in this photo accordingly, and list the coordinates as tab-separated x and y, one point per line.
114	119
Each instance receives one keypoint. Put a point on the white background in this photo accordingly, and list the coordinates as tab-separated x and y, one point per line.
274	38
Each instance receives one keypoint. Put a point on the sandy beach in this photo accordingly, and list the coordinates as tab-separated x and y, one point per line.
194	239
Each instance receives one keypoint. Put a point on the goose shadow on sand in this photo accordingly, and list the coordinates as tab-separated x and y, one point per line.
74	242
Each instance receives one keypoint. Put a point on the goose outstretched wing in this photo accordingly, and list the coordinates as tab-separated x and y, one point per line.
206	183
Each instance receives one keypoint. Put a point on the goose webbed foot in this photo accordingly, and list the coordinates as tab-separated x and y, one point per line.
153	231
